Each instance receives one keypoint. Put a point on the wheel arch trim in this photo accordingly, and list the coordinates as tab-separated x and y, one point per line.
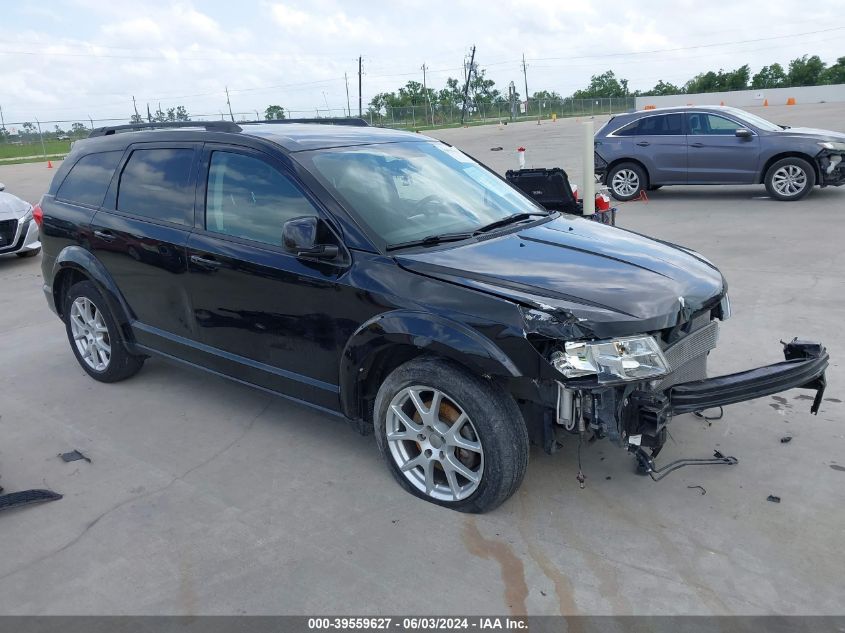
615	163
761	177
424	332
83	261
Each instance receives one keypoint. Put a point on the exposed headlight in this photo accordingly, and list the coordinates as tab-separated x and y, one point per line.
629	358
27	216
840	147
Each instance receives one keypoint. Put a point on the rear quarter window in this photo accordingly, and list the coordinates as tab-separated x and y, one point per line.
88	180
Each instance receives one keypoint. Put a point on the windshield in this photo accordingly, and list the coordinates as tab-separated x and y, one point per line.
755	120
409	191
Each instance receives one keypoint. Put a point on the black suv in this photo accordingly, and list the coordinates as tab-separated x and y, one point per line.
389	279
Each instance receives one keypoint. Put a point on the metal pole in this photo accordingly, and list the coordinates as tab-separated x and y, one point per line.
425	90
43	148
228	103
360	106
348	107
589	197
466	85
525	77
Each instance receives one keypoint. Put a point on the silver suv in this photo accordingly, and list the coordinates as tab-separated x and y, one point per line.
715	145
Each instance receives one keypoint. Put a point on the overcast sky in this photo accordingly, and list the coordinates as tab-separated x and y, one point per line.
67	59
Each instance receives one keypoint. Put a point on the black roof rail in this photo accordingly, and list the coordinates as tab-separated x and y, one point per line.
216	126
351	121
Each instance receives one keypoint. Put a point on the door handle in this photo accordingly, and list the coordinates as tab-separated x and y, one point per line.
202	262
106	236
643	143
696	144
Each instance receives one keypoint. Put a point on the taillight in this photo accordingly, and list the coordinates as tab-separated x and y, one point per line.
38	215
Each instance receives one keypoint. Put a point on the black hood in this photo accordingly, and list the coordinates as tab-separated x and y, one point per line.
607	279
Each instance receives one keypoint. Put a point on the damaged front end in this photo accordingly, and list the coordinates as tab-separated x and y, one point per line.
627	389
831	164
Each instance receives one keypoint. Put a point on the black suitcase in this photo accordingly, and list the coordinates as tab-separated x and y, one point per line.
549	187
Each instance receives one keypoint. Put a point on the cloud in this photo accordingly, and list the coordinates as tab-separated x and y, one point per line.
92	56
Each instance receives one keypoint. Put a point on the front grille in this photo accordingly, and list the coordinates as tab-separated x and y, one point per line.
687	357
8	228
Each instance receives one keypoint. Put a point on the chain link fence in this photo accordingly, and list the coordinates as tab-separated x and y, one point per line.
31	140
444	115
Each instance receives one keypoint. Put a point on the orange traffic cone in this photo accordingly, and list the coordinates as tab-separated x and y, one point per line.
790	101
49	164
765	102
721	103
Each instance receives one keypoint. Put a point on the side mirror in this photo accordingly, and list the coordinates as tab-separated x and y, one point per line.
744	133
2	187
302	237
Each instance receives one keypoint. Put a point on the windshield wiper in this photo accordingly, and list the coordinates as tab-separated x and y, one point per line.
431	240
516	217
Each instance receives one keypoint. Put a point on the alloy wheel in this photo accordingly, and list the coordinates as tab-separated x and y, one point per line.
90	334
625	182
434	443
789	180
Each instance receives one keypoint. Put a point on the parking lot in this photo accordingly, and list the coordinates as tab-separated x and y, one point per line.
207	497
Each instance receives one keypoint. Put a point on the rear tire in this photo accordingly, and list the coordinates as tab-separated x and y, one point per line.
32	253
469	454
627	181
790	179
95	336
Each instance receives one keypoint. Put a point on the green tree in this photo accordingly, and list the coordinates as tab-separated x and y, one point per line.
274	113
136	118
482	88
836	73
769	77
452	94
603	85
78	129
719	81
663	88
805	71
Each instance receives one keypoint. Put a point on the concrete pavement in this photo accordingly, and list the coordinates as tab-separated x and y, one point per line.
207	497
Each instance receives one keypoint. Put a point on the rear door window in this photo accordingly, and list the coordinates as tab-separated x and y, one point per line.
663	125
158	184
658	125
88	180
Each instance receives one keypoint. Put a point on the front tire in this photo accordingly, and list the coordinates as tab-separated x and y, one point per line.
627	181
450	437
790	179
95	336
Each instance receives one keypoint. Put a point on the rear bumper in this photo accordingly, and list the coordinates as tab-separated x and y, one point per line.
804	369
600	165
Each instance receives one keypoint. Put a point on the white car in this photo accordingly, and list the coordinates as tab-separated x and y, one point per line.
18	231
